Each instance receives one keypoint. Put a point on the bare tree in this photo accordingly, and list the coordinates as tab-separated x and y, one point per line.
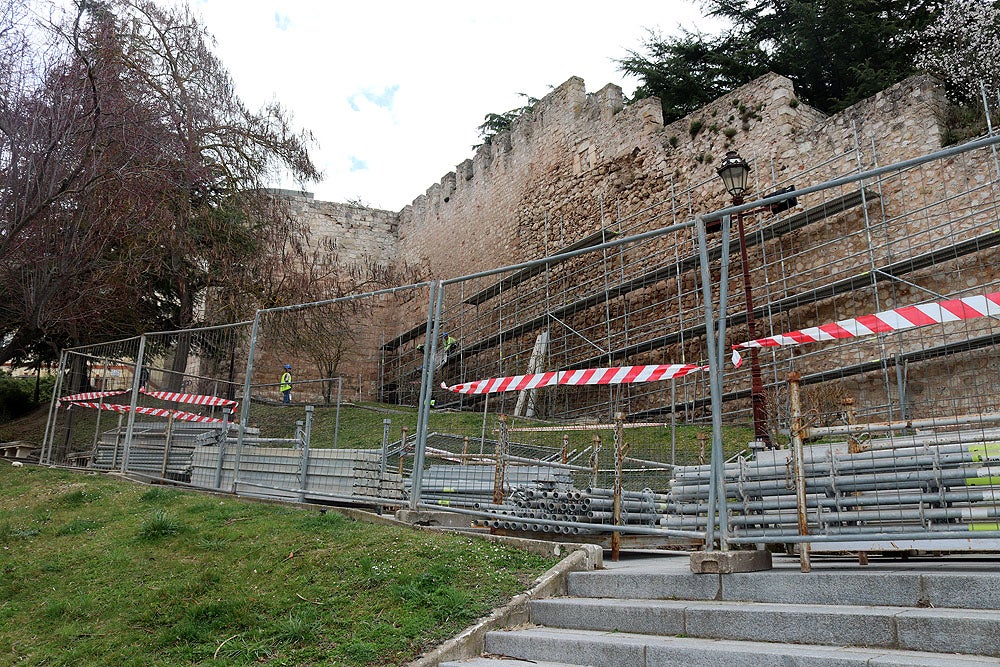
132	177
334	332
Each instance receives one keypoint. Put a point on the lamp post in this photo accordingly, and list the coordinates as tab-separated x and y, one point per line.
734	171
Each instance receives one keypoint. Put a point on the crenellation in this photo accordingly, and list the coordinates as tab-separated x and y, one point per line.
579	162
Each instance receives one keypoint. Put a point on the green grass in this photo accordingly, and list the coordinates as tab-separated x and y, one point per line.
360	426
95	570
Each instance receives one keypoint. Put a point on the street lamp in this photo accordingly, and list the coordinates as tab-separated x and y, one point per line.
734	171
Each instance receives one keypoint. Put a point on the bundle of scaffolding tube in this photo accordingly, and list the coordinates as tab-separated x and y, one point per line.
592	507
934	482
469	485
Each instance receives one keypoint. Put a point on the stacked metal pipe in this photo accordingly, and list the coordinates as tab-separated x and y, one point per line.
469	485
942	482
592	506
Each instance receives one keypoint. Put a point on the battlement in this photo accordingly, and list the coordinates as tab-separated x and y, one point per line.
543	184
566	113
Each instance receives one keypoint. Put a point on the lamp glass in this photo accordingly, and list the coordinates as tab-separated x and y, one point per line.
734	172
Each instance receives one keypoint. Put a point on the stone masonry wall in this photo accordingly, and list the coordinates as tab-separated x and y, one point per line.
579	163
357	234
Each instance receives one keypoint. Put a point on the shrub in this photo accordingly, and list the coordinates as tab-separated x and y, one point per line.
159	525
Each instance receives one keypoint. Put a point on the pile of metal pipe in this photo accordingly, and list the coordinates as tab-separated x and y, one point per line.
588	509
469	485
941	481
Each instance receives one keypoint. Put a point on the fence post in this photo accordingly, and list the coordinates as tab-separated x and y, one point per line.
245	407
304	476
50	426
336	417
620	451
403	432
386	424
227	413
426	388
715	337
595	458
166	446
795	398
100	409
500	471
118	443
136	379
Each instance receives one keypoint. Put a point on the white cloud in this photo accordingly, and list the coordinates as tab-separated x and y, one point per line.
394	90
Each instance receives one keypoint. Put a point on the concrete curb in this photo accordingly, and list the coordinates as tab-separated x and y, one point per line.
469	643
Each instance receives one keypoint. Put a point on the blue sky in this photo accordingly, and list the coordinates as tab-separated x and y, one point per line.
393	91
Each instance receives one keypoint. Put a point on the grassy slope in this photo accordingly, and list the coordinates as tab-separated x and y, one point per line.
361	427
94	570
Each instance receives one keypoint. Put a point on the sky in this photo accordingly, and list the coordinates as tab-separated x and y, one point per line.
394	91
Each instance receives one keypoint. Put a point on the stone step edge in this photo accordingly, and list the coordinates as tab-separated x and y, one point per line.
972	631
863	654
922	589
784	607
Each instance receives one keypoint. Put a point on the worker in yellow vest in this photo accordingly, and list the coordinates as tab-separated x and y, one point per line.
286	384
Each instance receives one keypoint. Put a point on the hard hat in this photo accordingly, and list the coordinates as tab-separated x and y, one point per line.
288	366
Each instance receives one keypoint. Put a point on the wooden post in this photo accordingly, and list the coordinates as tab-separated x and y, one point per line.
620	450
402	449
595	457
501	462
794	395
166	446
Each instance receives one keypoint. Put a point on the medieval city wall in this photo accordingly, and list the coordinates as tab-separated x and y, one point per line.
581	163
358	235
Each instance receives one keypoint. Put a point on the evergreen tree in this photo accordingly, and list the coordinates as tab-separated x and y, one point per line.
836	52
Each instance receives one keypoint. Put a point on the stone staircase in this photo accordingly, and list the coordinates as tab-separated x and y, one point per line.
652	612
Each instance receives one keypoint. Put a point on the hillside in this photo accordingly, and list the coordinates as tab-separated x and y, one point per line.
97	570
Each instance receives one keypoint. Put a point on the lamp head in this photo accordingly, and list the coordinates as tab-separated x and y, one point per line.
734	171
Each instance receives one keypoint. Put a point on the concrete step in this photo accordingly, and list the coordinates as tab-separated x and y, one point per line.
612	649
972	588
944	630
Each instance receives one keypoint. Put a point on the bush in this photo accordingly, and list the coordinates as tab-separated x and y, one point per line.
16	396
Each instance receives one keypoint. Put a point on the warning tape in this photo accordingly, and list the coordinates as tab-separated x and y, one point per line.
89	396
899	319
153	412
194	399
582	377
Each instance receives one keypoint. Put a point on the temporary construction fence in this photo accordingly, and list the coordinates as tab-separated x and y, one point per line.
596	390
178	383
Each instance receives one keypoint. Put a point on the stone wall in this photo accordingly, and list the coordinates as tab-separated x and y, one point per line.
581	163
357	234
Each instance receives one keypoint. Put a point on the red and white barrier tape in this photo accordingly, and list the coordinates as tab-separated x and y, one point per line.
899	319
89	396
194	399
588	376
153	412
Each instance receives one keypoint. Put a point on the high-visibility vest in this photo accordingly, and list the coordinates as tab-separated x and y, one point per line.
286	381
